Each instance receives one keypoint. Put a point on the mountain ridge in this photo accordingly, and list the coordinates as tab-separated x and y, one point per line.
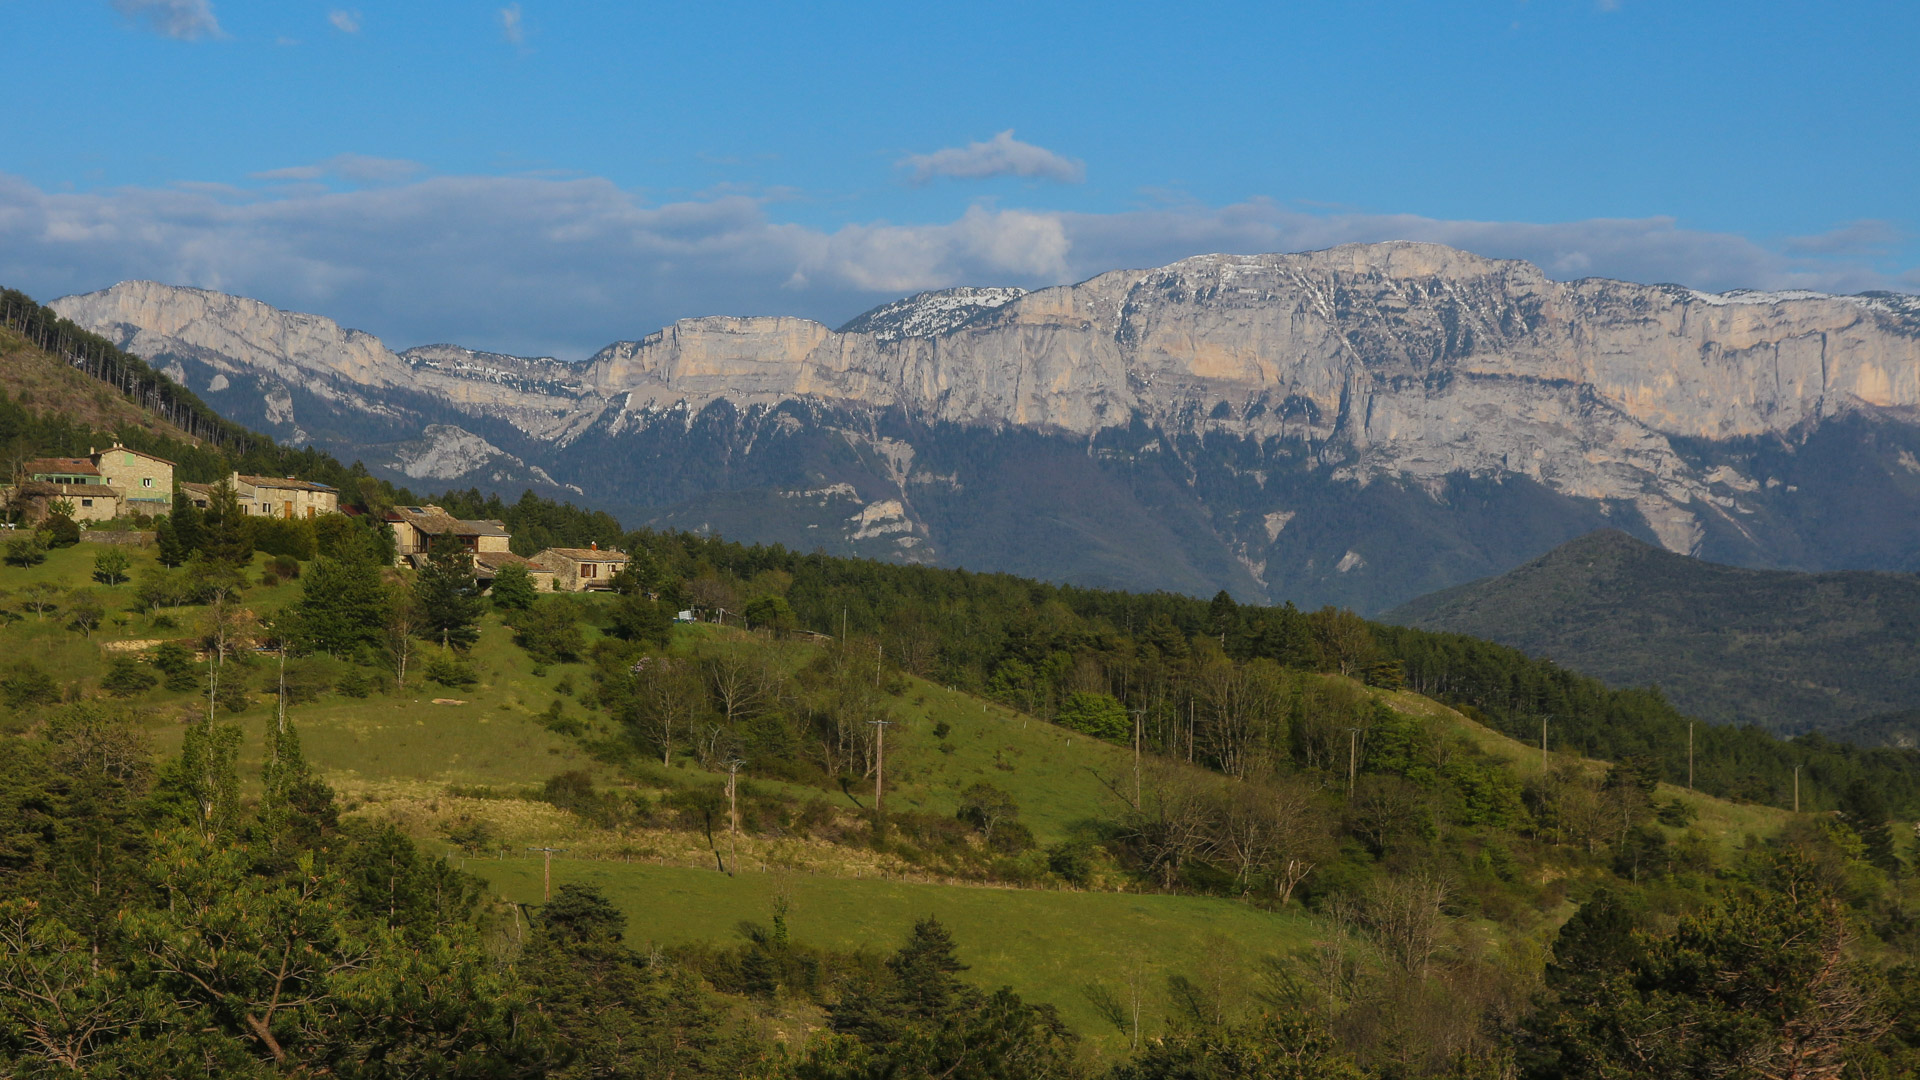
1789	651
1275	390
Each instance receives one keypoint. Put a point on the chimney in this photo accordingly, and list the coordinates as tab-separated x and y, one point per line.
594	544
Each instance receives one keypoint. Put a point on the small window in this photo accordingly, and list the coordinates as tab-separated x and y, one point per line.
146	481
86	502
589	570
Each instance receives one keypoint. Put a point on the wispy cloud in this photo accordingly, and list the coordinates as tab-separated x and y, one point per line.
187	20
347	22
1002	155
511	27
1866	237
560	266
353	168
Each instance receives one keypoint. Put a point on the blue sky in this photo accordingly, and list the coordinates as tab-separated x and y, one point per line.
547	176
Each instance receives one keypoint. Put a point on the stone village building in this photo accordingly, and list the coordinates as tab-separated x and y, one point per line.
270	496
104	485
581	569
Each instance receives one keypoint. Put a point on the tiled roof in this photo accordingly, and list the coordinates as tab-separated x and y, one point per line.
587	554
131	450
435	521
86	491
498	559
71	466
286	483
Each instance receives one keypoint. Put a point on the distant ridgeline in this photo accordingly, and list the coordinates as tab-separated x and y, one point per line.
991	632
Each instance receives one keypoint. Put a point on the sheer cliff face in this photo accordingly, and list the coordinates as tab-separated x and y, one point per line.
1406	360
1239	377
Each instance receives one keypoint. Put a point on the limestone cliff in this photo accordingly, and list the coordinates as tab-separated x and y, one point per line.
1271	403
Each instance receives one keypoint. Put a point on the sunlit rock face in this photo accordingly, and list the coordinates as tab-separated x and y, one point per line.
1355	425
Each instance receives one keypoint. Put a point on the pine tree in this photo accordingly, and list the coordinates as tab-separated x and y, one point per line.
342	604
1865	811
226	534
448	597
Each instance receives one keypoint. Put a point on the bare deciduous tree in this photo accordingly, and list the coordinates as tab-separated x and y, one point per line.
1405	914
670	698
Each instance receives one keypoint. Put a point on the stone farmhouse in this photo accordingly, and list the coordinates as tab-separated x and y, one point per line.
269	496
487	565
285	497
581	569
417	528
104	485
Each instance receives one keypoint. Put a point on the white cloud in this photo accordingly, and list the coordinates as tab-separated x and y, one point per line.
1002	155
187	20
562	266
353	168
510	25
347	22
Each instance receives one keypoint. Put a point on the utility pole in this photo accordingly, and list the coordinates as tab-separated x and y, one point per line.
879	759
1353	757
733	816
1689	756
546	879
1796	789
1139	721
1543	744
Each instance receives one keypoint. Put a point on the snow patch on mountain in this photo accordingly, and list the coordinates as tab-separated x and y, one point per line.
930	314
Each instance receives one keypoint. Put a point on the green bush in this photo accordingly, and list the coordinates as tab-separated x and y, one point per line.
233	694
62	531
292	539
550	631
27	685
27	548
110	566
176	662
126	677
512	588
354	683
1098	715
450	671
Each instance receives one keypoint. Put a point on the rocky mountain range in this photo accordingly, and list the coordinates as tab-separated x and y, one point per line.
1357	426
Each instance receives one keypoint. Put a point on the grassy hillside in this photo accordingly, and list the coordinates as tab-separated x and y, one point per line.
1787	651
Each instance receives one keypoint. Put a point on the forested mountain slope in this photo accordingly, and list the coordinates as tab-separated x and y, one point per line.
1787	651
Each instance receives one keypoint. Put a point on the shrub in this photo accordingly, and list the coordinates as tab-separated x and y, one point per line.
1071	862
291	539
450	671
233	694
512	588
354	683
27	685
28	548
62	531
550	631
557	721
1098	715
126	677
110	566
176	662
470	836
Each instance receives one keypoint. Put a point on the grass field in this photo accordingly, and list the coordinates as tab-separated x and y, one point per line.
1047	945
